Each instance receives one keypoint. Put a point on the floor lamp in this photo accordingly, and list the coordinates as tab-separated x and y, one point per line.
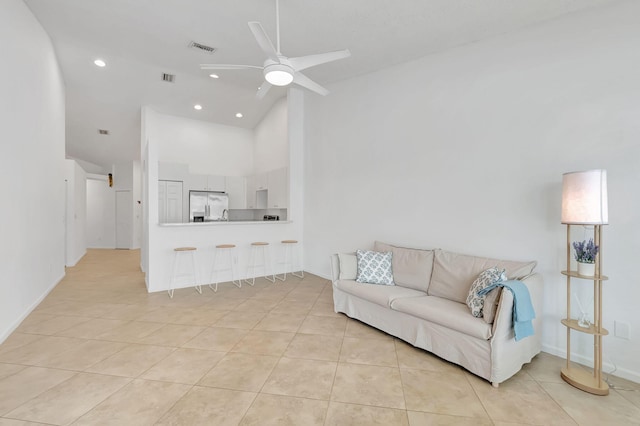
584	202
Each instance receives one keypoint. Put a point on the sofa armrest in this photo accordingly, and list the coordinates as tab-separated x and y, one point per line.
335	267
503	322
507	355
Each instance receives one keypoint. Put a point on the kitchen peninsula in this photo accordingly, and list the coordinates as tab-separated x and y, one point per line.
261	171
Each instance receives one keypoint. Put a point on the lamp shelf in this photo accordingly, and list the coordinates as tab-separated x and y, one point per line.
573	324
585	277
584	380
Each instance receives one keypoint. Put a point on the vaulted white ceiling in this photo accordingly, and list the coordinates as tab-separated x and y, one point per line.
141	39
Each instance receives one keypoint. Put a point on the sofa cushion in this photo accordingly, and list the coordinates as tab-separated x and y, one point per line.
348	266
444	312
374	267
454	273
411	267
381	295
475	302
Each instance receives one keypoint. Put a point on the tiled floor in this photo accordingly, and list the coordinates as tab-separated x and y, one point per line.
100	350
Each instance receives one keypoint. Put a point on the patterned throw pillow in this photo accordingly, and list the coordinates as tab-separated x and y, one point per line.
485	279
374	267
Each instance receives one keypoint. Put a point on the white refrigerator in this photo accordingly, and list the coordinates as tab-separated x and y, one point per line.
208	206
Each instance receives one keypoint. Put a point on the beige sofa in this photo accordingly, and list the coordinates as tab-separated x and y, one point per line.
426	308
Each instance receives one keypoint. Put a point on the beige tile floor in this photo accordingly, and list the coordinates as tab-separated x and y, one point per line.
101	350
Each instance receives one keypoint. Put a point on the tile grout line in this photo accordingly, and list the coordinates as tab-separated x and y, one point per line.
404	398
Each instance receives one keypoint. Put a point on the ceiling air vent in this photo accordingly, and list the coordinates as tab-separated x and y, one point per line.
103	132
169	78
202	47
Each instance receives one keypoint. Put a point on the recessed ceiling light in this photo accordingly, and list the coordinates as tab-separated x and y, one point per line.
100	63
239	115
214	76
197	106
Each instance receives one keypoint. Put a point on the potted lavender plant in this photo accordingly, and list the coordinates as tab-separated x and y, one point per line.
585	254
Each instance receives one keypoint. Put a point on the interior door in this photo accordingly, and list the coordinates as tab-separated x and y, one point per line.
124	219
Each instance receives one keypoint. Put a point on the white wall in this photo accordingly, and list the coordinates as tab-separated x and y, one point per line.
207	148
271	143
464	150
126	177
123	176
32	168
137	205
76	212
101	213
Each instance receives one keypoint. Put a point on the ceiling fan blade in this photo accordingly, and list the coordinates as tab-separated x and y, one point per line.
263	40
227	67
304	81
304	62
263	89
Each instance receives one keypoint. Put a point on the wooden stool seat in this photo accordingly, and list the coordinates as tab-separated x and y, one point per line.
223	246
289	241
259	243
184	249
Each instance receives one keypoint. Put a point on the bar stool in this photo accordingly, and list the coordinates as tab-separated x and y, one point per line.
180	252
224	255
288	262
256	249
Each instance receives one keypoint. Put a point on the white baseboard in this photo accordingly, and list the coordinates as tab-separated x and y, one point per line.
75	262
320	274
6	333
607	367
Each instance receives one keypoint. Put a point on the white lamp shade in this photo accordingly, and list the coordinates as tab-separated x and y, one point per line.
584	198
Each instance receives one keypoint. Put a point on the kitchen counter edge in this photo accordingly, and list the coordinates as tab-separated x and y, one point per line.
224	223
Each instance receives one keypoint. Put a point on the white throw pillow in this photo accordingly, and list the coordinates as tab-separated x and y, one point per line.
374	267
484	280
348	266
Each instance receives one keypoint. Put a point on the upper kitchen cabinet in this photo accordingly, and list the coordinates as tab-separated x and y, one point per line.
261	181
251	192
278	186
237	192
206	183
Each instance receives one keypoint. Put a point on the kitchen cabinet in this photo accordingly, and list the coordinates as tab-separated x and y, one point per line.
262	181
237	192
251	192
277	183
169	201
206	183
172	171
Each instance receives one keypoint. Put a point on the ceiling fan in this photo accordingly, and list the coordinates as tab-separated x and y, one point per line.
278	69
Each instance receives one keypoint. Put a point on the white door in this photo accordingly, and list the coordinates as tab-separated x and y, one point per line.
124	219
174	202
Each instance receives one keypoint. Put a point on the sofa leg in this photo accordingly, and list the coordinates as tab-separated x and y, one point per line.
495	384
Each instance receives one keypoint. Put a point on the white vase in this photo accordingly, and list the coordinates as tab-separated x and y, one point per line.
586	269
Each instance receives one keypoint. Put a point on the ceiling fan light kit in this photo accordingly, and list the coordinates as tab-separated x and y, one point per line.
279	70
278	74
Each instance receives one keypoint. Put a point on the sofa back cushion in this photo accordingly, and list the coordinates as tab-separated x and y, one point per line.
454	273
411	267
